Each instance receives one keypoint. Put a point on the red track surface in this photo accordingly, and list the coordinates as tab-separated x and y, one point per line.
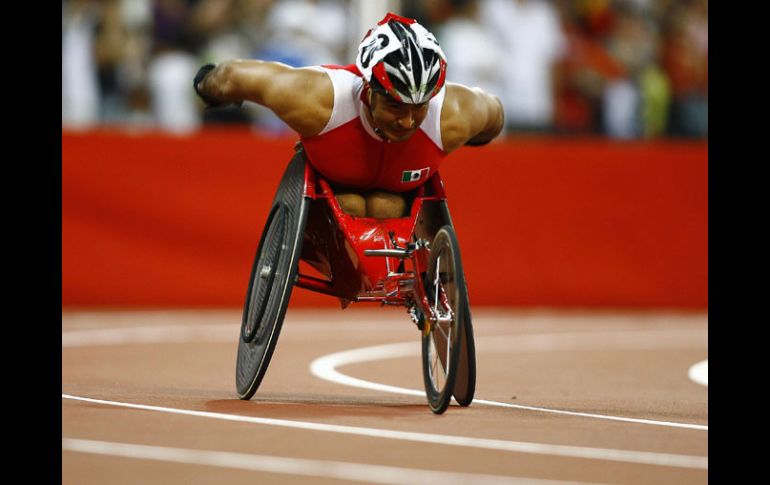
605	364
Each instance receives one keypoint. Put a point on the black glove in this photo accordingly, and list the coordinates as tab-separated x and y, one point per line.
210	102
472	143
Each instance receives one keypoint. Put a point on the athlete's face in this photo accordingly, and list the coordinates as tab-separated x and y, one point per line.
396	121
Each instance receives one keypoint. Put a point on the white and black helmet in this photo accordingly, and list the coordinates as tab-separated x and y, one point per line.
402	59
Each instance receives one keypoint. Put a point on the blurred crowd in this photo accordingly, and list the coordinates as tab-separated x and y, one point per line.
624	69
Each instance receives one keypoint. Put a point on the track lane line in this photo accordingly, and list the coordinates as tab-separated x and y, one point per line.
626	456
357	472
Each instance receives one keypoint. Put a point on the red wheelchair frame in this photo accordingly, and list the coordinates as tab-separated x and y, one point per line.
361	256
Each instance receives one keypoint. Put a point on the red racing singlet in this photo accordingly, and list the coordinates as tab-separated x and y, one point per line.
348	152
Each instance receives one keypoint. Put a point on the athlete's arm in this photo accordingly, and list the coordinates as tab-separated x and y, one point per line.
302	97
469	116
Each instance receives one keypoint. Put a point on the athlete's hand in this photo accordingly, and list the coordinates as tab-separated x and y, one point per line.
210	102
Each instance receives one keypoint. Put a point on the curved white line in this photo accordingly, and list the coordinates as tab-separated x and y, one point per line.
627	456
700	373
325	367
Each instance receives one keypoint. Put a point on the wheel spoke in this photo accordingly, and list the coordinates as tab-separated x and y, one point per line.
442	312
438	326
434	365
447	355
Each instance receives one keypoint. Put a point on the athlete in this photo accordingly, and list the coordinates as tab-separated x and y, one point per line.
374	129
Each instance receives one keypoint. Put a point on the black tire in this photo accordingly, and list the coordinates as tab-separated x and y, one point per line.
272	279
465	382
442	339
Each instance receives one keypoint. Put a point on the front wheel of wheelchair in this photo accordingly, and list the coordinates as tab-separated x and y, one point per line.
443	331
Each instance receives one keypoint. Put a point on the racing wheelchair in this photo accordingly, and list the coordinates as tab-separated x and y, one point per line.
412	261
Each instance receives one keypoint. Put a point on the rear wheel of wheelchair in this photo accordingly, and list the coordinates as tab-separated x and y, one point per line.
443	333
271	282
263	273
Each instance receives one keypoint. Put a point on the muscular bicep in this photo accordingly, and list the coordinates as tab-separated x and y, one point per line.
302	97
469	116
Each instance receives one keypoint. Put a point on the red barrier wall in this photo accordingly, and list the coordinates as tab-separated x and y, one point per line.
160	220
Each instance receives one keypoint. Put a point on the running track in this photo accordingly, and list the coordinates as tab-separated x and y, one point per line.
561	397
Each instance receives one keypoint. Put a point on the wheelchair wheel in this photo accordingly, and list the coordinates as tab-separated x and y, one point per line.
271	281
263	273
443	331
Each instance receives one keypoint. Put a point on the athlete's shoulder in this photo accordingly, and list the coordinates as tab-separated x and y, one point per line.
351	68
459	110
342	77
346	85
459	98
469	116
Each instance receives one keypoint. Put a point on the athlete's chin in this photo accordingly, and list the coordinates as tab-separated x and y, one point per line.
397	136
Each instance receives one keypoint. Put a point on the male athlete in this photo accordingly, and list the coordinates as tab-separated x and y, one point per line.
376	128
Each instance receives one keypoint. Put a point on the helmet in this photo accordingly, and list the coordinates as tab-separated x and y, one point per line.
400	58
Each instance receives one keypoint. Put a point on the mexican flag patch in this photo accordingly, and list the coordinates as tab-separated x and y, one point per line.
414	175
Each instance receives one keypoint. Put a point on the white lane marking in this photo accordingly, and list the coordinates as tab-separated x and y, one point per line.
641	457
325	367
700	372
356	472
148	335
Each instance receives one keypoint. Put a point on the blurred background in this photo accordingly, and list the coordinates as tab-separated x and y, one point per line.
619	68
595	195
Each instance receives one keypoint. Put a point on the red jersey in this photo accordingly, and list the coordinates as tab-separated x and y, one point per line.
348	152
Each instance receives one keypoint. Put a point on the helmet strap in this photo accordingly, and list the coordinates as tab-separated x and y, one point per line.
366	98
